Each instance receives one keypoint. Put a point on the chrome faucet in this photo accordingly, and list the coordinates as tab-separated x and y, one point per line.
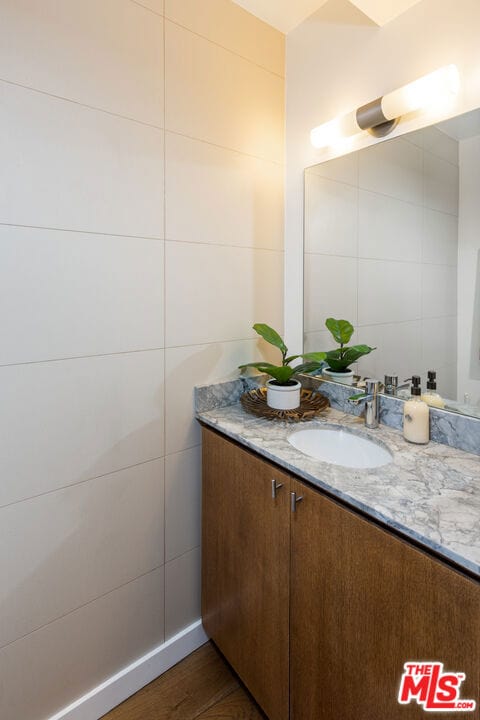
371	400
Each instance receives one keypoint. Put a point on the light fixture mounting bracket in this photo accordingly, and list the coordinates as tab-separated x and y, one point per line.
370	117
384	128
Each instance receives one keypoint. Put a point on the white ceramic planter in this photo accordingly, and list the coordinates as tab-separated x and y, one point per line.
342	377
283	397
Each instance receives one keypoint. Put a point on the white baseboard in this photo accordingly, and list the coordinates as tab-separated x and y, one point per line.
120	686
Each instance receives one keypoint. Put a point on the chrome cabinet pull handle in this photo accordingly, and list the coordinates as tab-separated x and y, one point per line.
294	500
275	486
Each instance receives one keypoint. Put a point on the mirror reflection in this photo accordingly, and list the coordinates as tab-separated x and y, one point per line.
392	244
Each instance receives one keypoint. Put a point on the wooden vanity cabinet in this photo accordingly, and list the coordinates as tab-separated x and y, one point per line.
363	602
318	609
246	568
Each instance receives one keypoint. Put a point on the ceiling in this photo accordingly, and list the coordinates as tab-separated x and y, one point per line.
287	14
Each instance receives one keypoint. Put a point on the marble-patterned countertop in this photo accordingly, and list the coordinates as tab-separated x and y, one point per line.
428	493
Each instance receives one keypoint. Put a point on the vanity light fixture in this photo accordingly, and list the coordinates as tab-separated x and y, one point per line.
380	116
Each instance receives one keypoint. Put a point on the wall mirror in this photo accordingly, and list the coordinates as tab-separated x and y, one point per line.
392	244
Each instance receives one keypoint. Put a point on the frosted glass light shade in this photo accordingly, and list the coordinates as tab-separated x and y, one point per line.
421	93
331	132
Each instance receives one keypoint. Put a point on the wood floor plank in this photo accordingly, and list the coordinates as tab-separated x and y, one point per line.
184	692
236	706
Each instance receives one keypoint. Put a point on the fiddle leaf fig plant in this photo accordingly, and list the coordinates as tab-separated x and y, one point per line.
341	358
283	373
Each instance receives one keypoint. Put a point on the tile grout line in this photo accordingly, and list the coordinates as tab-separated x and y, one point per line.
82	232
166	18
137	121
69	358
129	352
62	488
379	192
79	607
148	9
140	237
72	101
164	331
278	163
224	47
379	259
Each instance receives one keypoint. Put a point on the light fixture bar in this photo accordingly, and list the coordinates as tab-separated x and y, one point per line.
371	117
380	116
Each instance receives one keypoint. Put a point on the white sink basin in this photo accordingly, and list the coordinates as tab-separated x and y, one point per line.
339	447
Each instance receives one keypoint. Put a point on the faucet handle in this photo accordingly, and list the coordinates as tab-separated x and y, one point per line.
373	385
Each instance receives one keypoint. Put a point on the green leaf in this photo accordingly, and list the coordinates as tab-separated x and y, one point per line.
258	365
308	367
341	358
356	351
282	374
290	359
341	330
271	336
336	365
315	356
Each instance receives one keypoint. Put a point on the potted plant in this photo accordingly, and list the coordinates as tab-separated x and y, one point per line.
283	391
340	359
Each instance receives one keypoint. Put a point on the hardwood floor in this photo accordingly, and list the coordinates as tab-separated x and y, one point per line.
201	687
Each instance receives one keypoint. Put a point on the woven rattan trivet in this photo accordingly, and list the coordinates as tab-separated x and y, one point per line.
311	404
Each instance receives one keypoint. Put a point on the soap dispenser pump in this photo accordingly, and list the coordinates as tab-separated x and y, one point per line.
416	426
431	396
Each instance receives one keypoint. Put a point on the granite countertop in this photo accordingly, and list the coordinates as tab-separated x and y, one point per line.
428	493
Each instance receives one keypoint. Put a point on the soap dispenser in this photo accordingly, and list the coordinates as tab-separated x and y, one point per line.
431	396
416	426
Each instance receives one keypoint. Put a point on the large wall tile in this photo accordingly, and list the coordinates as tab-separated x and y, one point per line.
188	366
388	292
67	294
214	95
398	349
440	144
440	240
394	169
319	341
342	169
439	290
389	229
232	198
183	500
439	342
331	212
216	293
231	26
330	290
110	53
66	548
81	169
447	381
441	185
70	656
63	422
182	592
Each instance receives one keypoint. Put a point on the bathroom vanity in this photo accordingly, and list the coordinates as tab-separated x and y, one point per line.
320	582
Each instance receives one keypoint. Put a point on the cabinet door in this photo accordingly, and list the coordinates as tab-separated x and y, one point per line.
363	603
245	568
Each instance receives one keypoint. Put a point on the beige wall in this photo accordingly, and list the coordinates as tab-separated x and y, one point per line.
141	235
338	60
